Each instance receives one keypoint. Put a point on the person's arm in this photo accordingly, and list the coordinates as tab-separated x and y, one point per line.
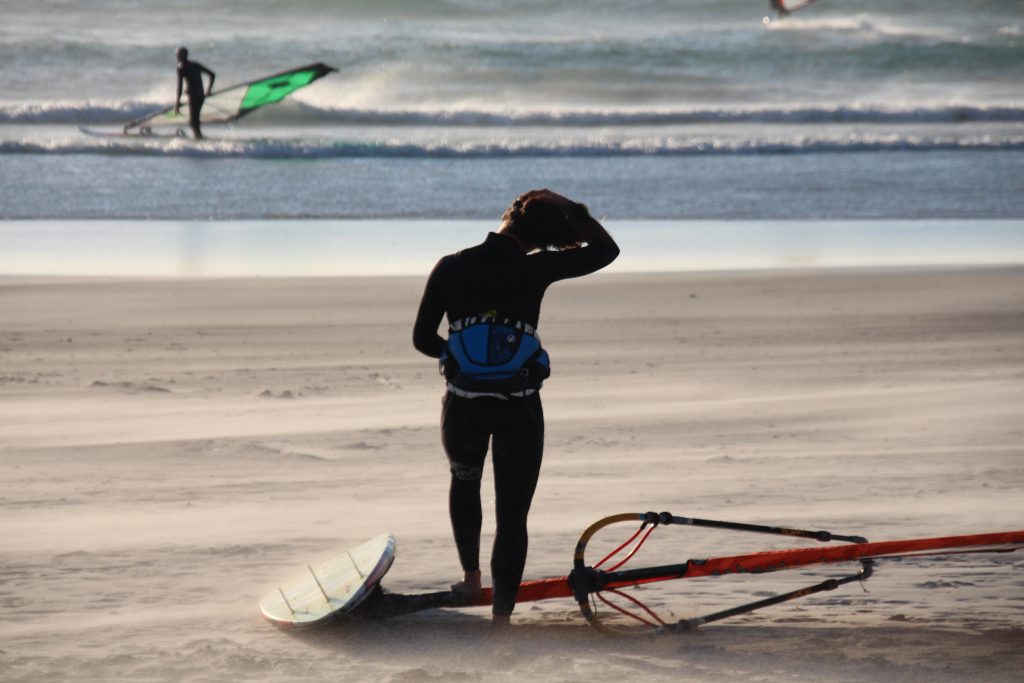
592	230
209	88
599	251
424	333
177	96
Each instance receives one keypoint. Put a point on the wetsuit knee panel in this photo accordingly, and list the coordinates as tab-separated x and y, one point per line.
466	472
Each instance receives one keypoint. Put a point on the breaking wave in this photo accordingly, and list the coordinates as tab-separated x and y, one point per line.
88	113
337	149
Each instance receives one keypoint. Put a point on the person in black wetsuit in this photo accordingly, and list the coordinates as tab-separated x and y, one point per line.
191	74
544	237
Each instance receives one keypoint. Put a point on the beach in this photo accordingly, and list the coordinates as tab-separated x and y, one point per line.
208	383
173	448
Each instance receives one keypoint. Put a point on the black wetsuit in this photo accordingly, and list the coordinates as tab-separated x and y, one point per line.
191	74
495	275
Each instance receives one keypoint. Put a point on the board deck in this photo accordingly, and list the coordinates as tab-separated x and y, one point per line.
137	136
332	588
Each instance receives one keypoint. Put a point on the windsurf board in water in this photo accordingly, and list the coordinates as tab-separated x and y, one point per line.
177	134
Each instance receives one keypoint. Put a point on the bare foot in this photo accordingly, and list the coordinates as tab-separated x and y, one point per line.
469	588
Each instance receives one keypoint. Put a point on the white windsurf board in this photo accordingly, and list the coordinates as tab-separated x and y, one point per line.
332	588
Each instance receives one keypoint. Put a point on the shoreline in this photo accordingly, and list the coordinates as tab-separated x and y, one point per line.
395	247
767	272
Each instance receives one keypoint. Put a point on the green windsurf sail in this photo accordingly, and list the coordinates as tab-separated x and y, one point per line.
231	104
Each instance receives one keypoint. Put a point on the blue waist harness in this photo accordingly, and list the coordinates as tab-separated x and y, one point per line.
485	355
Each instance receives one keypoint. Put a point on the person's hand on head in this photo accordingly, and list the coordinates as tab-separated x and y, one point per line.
547	196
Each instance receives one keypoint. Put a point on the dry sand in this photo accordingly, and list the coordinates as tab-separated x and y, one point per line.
171	449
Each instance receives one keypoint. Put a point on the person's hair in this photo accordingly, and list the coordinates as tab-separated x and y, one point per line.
543	224
183	51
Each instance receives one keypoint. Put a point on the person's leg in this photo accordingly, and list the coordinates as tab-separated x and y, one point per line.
465	438
195	106
517	452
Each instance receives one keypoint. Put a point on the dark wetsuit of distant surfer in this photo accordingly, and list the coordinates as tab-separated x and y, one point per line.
780	7
191	75
544	238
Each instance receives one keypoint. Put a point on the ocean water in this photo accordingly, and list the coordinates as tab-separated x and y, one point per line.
653	110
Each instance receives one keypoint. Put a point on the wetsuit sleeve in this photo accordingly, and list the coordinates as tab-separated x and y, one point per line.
424	333
600	251
209	87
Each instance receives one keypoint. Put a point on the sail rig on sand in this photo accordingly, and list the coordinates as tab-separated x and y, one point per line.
347	587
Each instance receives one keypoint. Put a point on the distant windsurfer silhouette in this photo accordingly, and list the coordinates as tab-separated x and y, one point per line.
780	7
191	74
